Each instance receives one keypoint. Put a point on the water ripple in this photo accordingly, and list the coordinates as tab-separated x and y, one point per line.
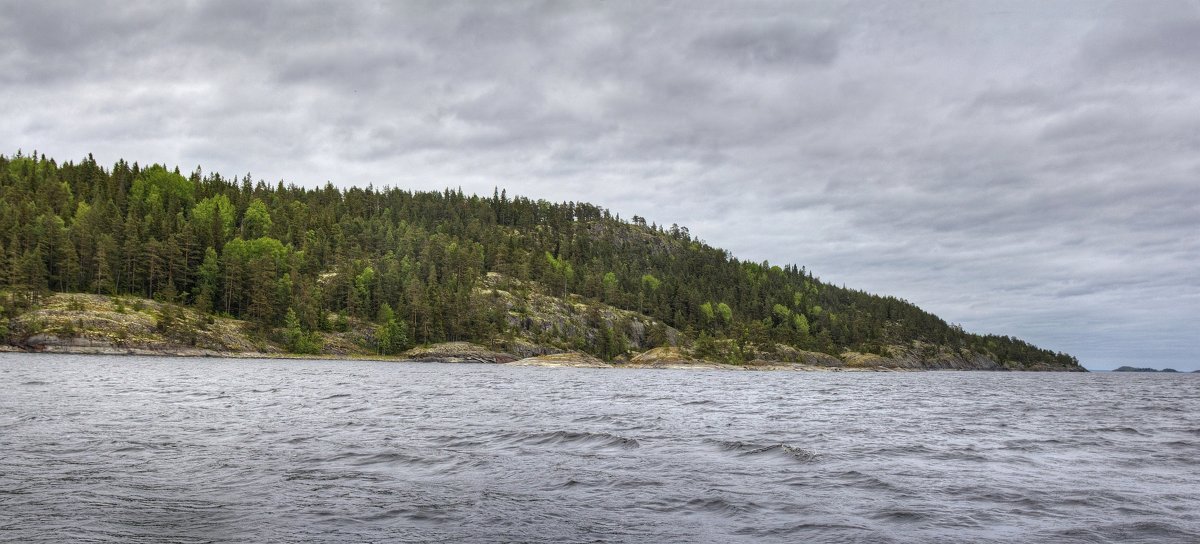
176	450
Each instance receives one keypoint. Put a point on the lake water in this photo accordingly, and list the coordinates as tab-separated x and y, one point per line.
197	450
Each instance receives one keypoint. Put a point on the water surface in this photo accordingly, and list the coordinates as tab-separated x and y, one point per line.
196	450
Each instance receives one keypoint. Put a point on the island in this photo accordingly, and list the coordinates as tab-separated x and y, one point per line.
132	259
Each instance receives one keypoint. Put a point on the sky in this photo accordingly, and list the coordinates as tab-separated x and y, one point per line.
1021	168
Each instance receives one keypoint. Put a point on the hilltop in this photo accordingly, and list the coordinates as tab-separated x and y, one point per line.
147	258
1143	369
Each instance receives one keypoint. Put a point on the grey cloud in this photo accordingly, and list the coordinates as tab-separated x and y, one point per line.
1158	40
50	43
1023	171
771	44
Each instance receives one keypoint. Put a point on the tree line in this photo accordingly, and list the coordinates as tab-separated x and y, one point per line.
414	262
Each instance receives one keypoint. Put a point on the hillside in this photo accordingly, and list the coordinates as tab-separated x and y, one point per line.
248	267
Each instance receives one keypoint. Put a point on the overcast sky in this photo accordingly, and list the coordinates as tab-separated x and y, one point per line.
1030	169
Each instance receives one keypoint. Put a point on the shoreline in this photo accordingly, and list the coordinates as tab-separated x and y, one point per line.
101	325
555	361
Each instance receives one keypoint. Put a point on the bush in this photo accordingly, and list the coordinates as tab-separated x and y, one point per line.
166	319
297	340
35	326
391	338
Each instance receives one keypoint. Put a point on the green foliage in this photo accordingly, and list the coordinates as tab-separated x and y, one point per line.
610	343
341	323
364	283
258	248
610	285
214	216
151	232
657	336
257	221
207	276
705	347
725	313
385	313
168	320
782	314
297	340
801	324
561	274
391	338
159	188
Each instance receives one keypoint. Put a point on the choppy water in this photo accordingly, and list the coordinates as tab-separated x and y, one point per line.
186	450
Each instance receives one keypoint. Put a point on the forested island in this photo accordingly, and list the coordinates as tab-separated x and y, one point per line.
136	259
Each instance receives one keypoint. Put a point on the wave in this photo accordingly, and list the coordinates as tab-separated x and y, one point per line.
1120	430
786	451
709	505
1139	531
817	531
590	440
718	505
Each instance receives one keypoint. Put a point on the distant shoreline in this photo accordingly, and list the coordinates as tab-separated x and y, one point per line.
1149	370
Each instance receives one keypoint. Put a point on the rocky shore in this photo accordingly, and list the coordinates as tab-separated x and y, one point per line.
452	352
101	325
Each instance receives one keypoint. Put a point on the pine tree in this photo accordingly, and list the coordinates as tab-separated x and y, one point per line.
131	251
261	292
257	221
293	332
34	276
102	266
391	337
4	264
207	277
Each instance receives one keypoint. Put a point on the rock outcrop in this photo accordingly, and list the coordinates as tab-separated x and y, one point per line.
571	359
457	352
673	357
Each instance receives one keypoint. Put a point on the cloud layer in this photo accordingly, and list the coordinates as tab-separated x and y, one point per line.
1023	169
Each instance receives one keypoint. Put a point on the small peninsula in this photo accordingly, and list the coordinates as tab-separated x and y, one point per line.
149	260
